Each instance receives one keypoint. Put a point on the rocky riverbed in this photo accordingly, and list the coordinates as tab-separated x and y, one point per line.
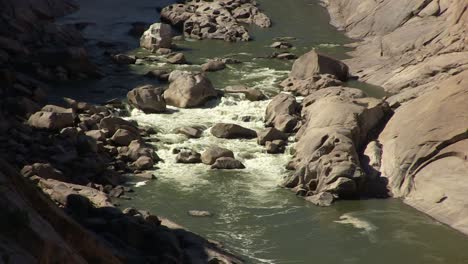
195	125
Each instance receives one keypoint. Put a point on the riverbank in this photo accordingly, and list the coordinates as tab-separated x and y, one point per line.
418	52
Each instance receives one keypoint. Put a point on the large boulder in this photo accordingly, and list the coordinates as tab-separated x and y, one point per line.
188	156
53	118
123	137
225	130
137	149
326	157
188	90
424	150
147	98
313	63
270	134
304	87
210	155
282	113
213	65
158	35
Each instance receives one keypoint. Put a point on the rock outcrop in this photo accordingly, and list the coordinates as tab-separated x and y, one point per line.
425	149
408	46
336	125
219	19
158	35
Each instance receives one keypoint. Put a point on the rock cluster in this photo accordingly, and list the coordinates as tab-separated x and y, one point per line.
219	19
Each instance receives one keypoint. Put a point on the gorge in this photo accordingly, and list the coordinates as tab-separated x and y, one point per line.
398	134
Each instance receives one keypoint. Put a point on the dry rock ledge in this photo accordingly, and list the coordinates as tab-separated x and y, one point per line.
416	50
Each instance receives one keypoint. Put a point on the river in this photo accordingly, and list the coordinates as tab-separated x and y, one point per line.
252	216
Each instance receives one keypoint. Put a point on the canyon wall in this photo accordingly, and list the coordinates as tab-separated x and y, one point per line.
417	51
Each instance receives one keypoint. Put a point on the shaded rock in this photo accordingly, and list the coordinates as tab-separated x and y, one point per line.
158	35
210	155
227	163
43	170
188	89
138	149
113	123
313	63
250	94
275	146
270	134
213	65
124	59
283	113
123	137
97	135
231	131
51	120
188	156
147	98
143	163
176	58
161	75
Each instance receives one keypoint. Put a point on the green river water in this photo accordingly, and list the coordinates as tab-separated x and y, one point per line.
252	216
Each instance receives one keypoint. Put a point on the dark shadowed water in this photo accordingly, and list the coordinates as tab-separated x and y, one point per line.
251	215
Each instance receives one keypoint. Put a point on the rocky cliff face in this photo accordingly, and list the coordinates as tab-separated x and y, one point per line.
406	45
416	50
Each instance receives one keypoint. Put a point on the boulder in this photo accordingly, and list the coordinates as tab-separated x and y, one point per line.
305	87
123	137
188	90
158	35
270	134
97	134
137	149
213	65
113	123
191	132
282	113
210	155
313	63
147	98
188	156
176	58
43	170
143	163
250	94
227	163
275	146
161	75
51	120
231	131
124	59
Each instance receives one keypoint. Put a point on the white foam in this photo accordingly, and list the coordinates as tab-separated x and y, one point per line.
349	219
139	184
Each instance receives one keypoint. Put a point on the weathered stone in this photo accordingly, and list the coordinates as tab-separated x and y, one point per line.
275	146
313	63
97	135
43	170
224	130
123	137
210	155
191	132
158	35
227	163
250	94
176	58
188	90
213	65
283	113
144	163
124	59
147	98
270	134
51	120
188	156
